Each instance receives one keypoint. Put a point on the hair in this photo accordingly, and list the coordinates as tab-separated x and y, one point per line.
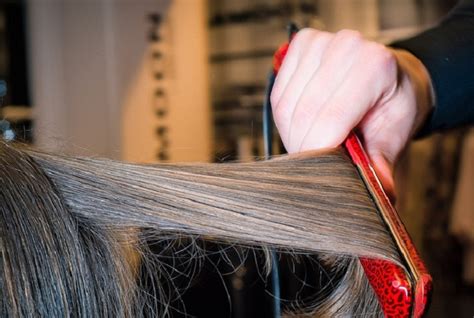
74	231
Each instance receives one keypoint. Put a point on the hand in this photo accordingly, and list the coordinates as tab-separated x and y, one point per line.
331	83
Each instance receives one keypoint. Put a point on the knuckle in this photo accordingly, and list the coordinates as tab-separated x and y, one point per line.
388	61
306	32
382	62
323	37
304	35
310	37
349	35
382	57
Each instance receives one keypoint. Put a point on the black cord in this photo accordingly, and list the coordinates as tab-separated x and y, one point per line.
3	91
267	142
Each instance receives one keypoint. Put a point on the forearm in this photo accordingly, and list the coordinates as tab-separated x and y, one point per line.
447	52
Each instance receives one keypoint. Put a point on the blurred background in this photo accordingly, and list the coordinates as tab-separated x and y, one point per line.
184	80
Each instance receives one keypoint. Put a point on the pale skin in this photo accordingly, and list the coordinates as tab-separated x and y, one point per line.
332	83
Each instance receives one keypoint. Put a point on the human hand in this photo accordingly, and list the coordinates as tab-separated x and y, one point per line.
331	83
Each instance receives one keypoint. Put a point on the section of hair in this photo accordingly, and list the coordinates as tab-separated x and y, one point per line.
68	223
307	202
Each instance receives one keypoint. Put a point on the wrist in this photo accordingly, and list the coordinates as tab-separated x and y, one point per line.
416	73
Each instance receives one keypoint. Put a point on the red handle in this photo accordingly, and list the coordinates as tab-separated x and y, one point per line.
400	293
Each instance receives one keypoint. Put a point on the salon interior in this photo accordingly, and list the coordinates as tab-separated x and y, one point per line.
167	81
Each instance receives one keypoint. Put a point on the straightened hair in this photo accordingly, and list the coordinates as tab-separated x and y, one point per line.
73	230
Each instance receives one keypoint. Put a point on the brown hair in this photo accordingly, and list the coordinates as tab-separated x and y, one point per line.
66	223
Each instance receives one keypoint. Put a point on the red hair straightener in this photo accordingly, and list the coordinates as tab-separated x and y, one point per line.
402	292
